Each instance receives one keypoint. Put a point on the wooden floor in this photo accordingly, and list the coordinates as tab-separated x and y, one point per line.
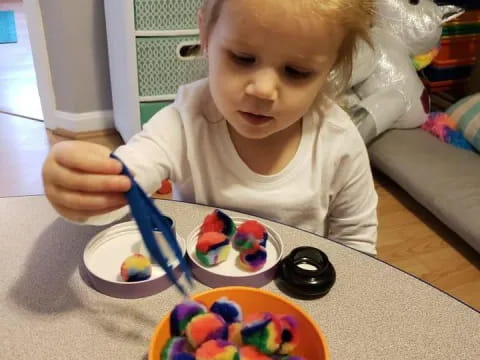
412	239
409	236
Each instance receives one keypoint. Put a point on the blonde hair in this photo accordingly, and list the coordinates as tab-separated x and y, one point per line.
355	16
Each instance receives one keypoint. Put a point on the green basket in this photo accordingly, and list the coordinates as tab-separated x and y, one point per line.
157	15
461	29
164	63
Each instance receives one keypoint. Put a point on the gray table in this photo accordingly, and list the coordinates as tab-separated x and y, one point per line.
47	312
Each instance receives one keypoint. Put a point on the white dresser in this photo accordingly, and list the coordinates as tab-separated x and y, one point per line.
153	48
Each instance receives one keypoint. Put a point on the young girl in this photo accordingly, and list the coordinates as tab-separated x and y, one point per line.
260	135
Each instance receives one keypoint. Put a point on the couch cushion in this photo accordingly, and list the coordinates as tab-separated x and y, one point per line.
444	179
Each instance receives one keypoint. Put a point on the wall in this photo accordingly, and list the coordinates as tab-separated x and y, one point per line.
77	47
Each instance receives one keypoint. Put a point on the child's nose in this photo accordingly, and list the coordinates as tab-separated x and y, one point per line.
263	85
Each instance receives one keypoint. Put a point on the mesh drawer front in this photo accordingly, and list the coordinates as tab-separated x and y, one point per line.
157	15
164	64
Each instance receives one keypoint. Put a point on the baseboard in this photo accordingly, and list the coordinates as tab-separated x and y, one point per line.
84	122
85	134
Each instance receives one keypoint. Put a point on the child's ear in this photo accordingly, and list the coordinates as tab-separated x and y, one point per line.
203	31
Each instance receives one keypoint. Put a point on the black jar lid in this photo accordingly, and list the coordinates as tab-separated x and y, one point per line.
306	272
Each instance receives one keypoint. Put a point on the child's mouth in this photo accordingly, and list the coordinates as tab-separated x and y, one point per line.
255	119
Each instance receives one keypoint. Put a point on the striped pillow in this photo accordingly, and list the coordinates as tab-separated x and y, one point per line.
466	114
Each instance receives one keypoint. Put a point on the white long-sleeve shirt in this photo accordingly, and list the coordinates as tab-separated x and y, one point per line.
327	188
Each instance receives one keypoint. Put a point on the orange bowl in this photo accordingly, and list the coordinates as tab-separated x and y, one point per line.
313	345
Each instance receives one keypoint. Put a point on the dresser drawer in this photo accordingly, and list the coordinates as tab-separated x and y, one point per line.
165	63
162	15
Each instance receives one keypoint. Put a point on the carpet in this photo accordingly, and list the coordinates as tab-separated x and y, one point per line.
8	33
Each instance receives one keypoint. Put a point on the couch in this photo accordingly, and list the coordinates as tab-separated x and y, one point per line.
444	179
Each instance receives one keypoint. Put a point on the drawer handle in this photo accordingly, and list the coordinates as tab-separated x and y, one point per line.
189	51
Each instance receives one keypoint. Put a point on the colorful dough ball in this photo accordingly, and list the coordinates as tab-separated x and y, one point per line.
174	348
206	327
250	234
182	314
218	221
136	268
252	353
235	334
264	331
217	349
229	310
290	336
254	259
212	248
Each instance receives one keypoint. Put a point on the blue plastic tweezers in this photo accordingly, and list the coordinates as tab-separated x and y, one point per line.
149	219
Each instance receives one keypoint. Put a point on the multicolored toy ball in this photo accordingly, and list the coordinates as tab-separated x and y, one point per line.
218	221
212	248
264	331
250	234
235	334
206	327
254	259
290	336
182	314
185	356
199	334
176	347
217	349
229	310
136	268
250	352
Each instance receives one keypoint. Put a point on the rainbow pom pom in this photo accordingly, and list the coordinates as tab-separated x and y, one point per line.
290	336
217	349
176	348
229	310
212	248
220	333
250	235
252	353
220	222
136	268
263	331
235	334
254	259
182	314
206	327
184	356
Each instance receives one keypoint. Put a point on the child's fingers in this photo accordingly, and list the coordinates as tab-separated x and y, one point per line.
89	183
88	202
86	157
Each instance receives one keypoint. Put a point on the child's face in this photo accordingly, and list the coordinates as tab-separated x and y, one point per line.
268	60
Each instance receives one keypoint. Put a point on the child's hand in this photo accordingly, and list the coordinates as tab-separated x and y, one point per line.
81	180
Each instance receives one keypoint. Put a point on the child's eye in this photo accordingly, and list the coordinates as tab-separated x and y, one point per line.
297	73
242	59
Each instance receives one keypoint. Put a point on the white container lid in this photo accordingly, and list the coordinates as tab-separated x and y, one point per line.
105	253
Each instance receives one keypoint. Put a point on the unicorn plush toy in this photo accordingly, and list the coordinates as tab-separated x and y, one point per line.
386	89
